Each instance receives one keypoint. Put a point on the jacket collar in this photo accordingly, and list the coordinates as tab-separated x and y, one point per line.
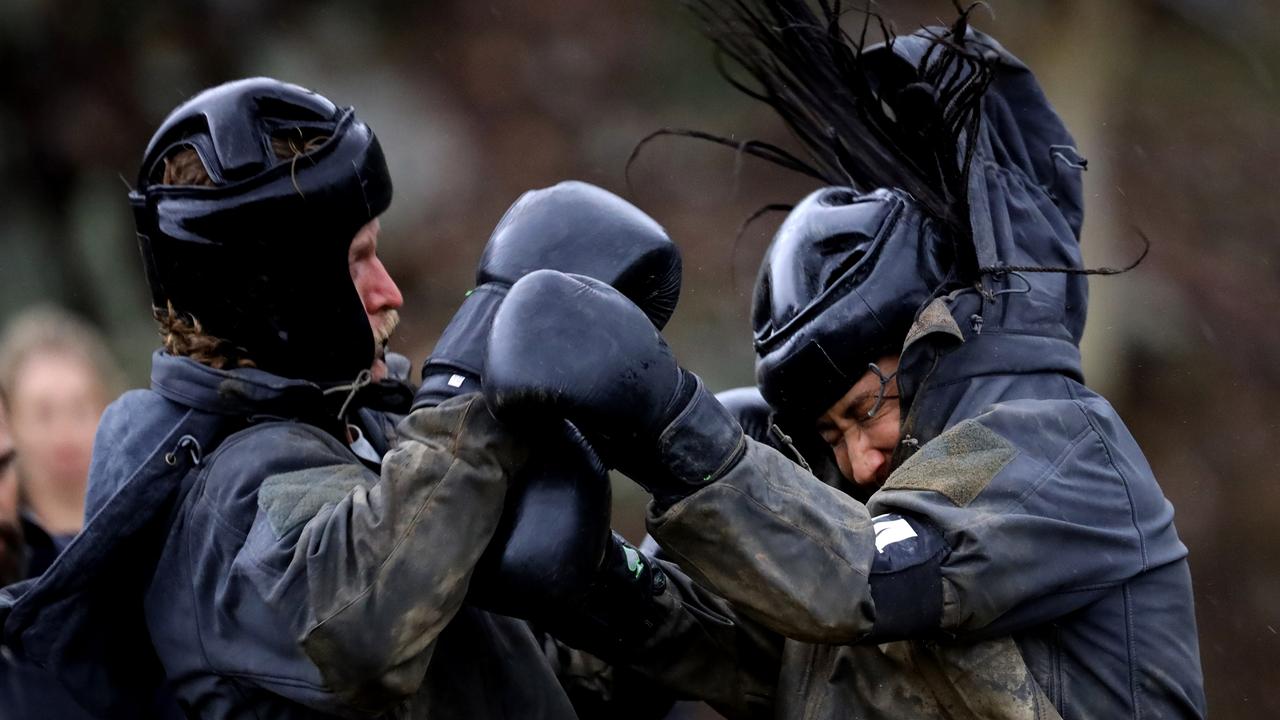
962	353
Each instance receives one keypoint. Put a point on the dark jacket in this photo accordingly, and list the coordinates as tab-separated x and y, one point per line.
1021	560
28	692
267	572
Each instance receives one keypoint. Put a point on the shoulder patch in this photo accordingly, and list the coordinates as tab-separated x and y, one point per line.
291	499
959	463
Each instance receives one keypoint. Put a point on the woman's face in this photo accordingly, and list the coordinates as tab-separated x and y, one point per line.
10	530
864	426
54	410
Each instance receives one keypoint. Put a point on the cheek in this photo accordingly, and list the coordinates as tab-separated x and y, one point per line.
8	492
885	437
843	451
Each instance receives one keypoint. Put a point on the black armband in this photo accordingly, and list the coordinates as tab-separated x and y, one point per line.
906	578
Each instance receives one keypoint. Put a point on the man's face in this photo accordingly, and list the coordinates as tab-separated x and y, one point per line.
378	292
11	558
864	443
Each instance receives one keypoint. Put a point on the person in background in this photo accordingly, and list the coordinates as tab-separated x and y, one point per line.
26	691
12	560
58	376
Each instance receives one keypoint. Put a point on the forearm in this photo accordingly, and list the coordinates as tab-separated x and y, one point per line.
780	545
388	566
683	643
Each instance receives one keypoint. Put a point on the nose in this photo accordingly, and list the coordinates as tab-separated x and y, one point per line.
379	292
865	460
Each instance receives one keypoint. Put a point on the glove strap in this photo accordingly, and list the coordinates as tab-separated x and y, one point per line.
703	441
623	608
457	362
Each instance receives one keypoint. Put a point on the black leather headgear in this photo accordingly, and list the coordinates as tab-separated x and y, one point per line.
839	288
260	258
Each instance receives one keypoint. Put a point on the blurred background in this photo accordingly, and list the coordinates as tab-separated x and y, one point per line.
1174	102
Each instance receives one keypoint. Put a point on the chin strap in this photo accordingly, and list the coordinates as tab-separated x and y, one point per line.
363	380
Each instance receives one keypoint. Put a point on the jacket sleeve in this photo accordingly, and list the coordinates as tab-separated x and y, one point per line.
1043	506
780	545
356	574
683	643
958	544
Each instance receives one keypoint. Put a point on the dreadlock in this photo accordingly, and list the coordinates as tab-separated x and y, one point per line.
866	120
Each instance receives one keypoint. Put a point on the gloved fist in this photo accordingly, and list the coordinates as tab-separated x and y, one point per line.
555	525
553	534
572	227
616	610
573	347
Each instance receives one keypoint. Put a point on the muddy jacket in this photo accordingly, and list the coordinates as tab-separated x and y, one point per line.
1021	560
271	573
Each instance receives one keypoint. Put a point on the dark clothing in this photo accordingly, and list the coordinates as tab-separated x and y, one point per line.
42	547
1021	560
28	692
274	573
348	582
1063	586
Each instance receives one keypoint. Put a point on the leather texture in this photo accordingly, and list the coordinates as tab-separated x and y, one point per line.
260	259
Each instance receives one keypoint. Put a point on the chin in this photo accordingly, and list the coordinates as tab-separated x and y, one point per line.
378	370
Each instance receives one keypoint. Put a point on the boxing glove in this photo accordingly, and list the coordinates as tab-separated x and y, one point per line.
572	347
573	227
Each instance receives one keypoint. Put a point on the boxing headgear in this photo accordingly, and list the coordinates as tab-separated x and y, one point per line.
840	286
260	258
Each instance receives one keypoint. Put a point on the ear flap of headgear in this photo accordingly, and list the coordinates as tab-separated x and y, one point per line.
839	288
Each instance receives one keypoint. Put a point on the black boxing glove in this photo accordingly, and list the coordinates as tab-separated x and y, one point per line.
572	227
553	534
616	609
555	523
573	347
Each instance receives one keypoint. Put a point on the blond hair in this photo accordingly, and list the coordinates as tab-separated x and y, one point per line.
47	329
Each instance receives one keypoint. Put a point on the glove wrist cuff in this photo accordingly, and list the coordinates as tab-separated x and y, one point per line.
703	441
457	362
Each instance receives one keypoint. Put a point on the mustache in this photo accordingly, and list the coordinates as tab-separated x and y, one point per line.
385	326
12	562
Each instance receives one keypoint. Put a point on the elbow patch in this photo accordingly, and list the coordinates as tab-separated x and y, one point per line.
291	499
906	578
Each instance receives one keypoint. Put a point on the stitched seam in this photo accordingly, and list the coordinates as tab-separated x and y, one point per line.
230	442
1019	175
413	524
1070	448
1124	482
395	547
738	450
739	680
195	607
279	680
1131	643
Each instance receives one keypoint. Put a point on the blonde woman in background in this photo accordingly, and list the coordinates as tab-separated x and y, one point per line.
58	376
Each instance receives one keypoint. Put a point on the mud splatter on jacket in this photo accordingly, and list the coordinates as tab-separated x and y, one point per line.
1021	561
277	575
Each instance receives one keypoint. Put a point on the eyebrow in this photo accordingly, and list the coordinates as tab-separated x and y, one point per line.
851	410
